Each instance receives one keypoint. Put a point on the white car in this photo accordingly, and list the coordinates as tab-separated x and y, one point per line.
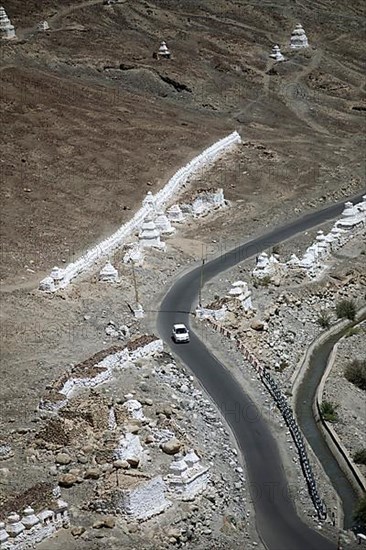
180	333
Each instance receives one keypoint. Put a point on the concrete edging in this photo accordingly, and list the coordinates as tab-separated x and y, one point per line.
331	437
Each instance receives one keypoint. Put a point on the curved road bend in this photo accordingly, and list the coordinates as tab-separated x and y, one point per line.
277	522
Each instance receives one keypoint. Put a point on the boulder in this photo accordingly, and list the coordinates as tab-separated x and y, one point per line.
63	458
77	531
92	473
67	480
256	324
171	447
133	461
121	464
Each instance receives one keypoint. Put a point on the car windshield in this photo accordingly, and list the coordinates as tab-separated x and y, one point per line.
181	330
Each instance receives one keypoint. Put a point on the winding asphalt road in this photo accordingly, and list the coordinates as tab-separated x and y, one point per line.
279	526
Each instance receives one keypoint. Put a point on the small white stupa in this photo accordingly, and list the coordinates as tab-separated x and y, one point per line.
298	38
276	54
293	262
43	26
163	51
175	214
150	235
350	216
322	244
263	267
7	30
149	200
241	291
108	274
163	223
135	255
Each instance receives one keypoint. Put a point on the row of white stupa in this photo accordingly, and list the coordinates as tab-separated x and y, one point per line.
298	41
313	260
7	30
157	224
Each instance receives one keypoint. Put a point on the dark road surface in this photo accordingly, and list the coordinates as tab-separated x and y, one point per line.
277	522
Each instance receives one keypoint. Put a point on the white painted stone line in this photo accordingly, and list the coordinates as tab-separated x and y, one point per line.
203	160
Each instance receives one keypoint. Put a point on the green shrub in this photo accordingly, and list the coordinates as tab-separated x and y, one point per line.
360	456
329	411
346	309
264	282
360	512
352	331
324	319
355	373
276	249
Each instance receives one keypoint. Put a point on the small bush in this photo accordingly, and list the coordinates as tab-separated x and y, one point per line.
276	249
352	331
329	411
324	319
355	373
360	456
346	309
360	512
264	282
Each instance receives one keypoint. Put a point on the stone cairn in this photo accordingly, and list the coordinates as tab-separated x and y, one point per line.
7	30
276	54
20	532
298	38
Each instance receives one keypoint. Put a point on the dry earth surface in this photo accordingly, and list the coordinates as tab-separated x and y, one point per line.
90	122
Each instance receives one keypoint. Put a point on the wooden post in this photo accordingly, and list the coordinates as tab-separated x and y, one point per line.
135	282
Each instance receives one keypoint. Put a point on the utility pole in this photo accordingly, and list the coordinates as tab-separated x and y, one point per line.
201	283
134	282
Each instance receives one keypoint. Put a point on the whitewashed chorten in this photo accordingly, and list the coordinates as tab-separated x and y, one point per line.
276	54
164	51
7	30
298	38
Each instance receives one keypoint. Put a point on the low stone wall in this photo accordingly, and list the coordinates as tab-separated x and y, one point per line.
202	161
106	366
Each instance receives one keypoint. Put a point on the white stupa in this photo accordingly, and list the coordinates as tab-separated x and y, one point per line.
108	274
276	54
175	214
309	260
149	200
322	244
298	38
263	267
135	255
150	235
293	262
351	216
164	51
7	30
240	290
162	222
